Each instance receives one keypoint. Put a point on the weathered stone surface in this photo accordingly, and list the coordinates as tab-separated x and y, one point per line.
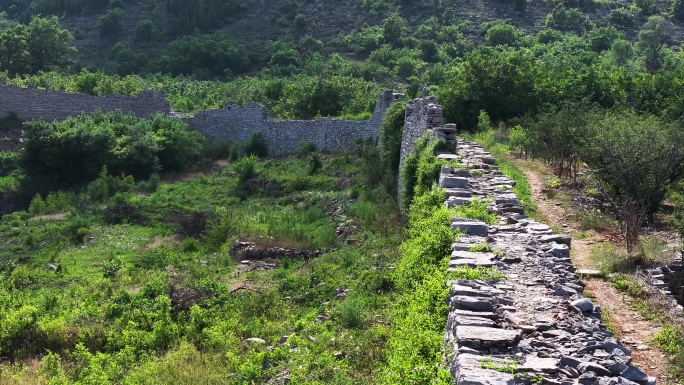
588	378
583	304
570	362
472	304
592	367
473	321
484	377
446	181
470	227
558	238
457	201
483	336
634	374
559	250
468	313
539	365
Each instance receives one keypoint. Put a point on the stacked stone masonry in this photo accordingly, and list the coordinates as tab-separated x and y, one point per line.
533	326
34	104
237	123
230	123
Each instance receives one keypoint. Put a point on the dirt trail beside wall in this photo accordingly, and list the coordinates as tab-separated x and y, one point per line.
630	326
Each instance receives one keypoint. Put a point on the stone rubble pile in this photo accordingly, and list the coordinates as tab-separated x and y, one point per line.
534	325
668	281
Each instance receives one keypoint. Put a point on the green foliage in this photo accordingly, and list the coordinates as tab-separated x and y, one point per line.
622	18
74	151
609	259
503	34
245	168
628	284
421	169
144	31
205	56
655	35
391	132
256	145
111	24
678	9
39	46
393	29
567	20
353	311
638	156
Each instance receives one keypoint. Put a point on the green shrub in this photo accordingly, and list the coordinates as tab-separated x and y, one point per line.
256	145
111	24
144	30
306	147
609	259
353	312
37	205
245	168
314	164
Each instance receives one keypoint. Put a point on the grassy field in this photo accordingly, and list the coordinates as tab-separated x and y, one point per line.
142	288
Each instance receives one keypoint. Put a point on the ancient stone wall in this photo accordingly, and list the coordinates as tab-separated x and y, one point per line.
237	123
230	123
534	325
423	116
34	104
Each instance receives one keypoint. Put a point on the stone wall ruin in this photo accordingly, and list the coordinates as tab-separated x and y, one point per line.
534	325
231	123
35	104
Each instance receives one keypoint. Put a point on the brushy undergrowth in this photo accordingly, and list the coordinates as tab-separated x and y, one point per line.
416	346
128	283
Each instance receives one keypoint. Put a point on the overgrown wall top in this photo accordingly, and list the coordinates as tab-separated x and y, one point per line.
34	104
238	123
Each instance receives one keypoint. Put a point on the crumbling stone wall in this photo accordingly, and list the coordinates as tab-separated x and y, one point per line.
34	104
238	123
534	324
230	123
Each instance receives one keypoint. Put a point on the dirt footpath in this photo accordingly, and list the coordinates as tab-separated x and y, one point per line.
630	326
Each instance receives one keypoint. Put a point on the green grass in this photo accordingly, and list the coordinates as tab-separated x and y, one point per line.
415	350
158	297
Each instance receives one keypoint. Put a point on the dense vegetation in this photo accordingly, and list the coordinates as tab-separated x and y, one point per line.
115	272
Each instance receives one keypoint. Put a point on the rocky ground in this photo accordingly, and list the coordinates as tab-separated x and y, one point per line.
535	325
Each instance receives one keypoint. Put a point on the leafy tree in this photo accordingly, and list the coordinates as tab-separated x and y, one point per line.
111	24
127	61
622	51
204	56
622	18
144	31
678	9
647	7
40	46
655	35
501	83
74	151
283	54
393	29
639	157
503	34
601	39
547	36
567	20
